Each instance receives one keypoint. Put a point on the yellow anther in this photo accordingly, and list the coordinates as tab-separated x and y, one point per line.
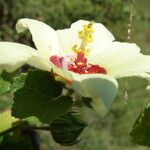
86	36
87	33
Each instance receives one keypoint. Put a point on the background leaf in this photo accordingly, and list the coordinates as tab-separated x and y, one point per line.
4	86
140	133
7	76
6	120
18	82
6	101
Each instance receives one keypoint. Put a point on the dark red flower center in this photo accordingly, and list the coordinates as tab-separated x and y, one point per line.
78	65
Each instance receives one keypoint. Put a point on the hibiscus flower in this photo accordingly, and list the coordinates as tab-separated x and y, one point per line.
86	56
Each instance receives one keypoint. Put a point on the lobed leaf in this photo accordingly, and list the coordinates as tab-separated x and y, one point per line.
40	97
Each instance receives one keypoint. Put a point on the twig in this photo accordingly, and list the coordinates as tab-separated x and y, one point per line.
36	128
19	127
132	2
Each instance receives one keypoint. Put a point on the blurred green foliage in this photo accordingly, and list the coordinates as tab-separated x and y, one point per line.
59	13
111	132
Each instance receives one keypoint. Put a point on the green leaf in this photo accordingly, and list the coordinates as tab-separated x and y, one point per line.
6	120
66	129
18	82
140	133
40	97
4	86
44	82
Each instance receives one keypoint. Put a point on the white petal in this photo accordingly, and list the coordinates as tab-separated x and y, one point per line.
69	37
123	60
14	55
101	88
44	37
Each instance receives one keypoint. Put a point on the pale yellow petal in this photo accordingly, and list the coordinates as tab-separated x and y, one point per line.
69	37
44	37
148	88
14	55
122	59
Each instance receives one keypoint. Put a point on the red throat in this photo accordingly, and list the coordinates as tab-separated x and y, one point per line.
78	65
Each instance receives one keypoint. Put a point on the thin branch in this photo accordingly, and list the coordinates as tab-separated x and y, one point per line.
19	127
36	128
132	2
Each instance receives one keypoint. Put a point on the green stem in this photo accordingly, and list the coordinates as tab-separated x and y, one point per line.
70	92
19	127
36	128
